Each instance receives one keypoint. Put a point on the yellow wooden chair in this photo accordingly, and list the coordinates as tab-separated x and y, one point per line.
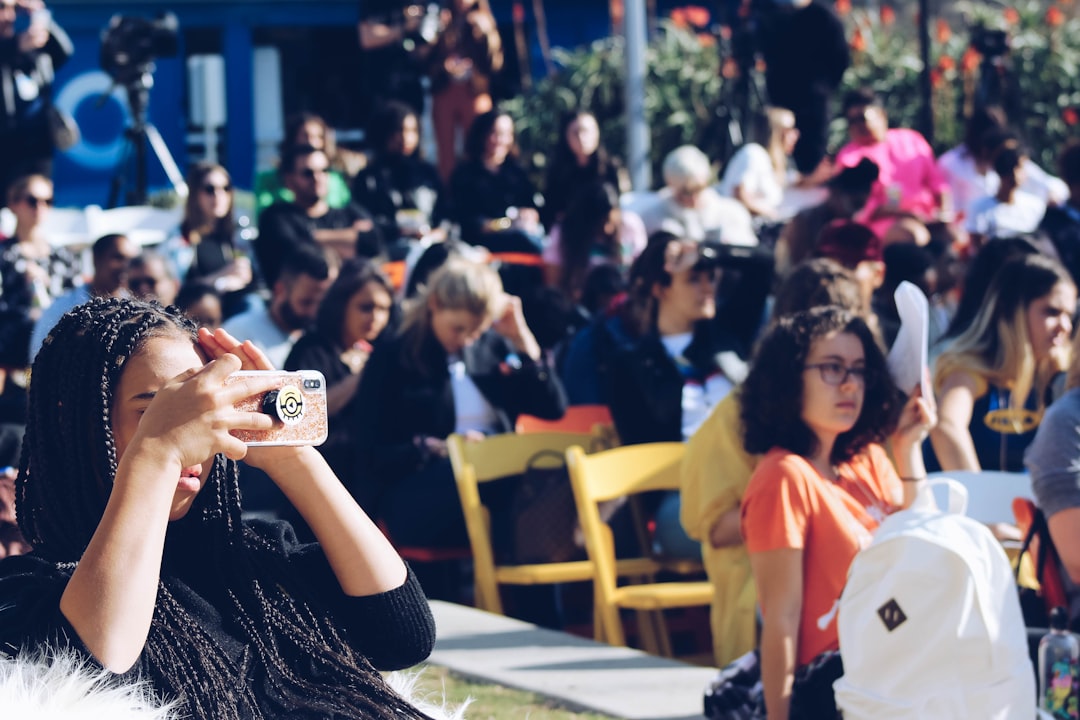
497	457
628	471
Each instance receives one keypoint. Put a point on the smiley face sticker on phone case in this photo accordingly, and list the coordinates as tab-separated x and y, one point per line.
286	404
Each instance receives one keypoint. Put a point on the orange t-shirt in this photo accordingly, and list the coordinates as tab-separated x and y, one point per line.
789	505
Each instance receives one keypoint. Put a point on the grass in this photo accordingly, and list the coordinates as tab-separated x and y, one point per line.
493	702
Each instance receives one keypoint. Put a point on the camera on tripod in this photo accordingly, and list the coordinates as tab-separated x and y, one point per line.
989	43
130	44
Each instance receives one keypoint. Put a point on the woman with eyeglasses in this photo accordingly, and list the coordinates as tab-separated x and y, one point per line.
207	249
32	271
994	380
818	403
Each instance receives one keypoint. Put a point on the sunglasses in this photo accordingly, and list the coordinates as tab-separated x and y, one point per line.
33	201
311	173
210	189
143	282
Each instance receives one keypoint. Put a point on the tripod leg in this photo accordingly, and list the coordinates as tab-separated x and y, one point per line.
161	151
119	178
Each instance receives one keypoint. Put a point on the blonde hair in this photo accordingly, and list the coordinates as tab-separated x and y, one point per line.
996	347
458	284
780	121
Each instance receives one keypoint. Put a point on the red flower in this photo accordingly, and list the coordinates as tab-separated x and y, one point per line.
858	42
935	78
678	18
706	39
843	7
1054	16
1012	17
888	15
1070	116
970	61
944	32
730	68
518	13
946	63
697	15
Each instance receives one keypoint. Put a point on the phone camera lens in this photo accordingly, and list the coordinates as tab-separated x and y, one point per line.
312	384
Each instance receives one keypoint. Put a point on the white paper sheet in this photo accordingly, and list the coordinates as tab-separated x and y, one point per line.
909	358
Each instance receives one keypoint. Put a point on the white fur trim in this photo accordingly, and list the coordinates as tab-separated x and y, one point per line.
62	685
404	684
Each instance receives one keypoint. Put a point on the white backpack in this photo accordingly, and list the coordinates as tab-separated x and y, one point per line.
930	625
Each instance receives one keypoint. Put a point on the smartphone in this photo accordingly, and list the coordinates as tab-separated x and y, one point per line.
297	403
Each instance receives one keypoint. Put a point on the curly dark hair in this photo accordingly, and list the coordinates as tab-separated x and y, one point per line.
771	398
65	477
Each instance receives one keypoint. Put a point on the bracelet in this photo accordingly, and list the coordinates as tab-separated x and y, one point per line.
918	478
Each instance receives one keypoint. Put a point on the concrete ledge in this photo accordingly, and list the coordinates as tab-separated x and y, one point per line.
579	673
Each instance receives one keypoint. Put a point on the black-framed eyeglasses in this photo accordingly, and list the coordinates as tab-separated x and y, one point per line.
33	201
834	373
211	189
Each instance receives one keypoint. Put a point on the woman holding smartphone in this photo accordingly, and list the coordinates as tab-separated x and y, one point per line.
127	491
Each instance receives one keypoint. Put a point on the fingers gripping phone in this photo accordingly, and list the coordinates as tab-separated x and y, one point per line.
297	404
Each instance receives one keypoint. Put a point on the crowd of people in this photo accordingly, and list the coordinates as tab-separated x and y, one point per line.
747	313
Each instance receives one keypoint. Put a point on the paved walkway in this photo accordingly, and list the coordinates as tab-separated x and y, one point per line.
580	673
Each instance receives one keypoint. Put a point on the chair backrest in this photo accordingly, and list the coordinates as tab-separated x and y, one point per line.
990	492
577	419
492	458
616	473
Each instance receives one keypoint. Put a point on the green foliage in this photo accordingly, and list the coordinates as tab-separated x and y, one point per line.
682	93
686	91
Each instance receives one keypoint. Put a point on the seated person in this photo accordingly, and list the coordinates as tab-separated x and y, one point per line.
818	404
112	256
688	207
908	191
304	129
856	247
466	362
1010	211
716	470
491	196
757	175
593	231
994	380
849	190
578	161
398	183
309	219
201	303
352	316
150	277
294	302
1052	461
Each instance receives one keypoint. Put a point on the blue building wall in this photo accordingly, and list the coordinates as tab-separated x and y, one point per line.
84	173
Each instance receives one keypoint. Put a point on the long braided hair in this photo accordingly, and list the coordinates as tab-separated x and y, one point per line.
65	476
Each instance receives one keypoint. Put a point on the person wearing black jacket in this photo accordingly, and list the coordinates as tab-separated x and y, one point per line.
465	362
28	60
309	219
806	54
397	178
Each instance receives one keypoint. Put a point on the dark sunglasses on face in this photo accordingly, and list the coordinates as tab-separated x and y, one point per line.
142	282
33	201
311	173
210	189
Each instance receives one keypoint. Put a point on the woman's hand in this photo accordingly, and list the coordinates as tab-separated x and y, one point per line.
220	343
191	417
917	419
511	325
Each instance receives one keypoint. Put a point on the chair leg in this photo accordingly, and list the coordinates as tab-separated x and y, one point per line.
646	625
